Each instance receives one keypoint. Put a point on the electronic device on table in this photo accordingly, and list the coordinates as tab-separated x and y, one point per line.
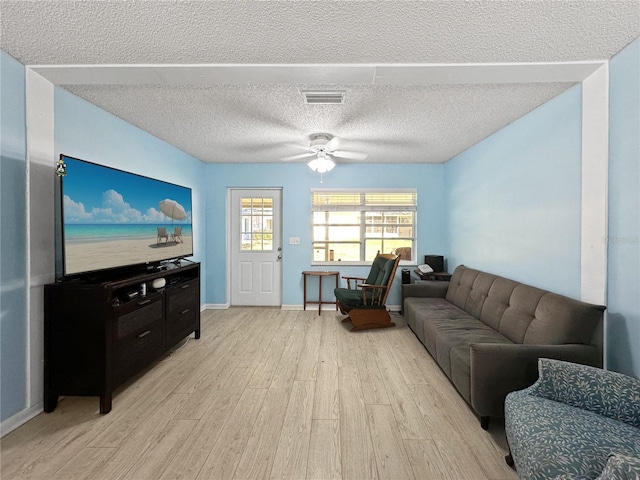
425	268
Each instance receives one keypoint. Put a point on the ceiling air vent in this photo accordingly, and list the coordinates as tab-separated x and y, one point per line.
316	97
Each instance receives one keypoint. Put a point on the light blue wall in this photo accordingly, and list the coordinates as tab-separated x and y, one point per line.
85	131
623	332
296	181
514	199
13	238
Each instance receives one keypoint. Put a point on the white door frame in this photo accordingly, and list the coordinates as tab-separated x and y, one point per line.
229	240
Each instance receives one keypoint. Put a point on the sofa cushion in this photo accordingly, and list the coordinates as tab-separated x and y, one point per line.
417	309
461	370
549	439
479	293
560	319
457	329
497	302
426	313
520	313
460	284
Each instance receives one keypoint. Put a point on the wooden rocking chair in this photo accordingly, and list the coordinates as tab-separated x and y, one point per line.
365	302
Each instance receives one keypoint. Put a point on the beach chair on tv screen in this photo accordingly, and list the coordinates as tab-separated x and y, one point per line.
162	233
176	236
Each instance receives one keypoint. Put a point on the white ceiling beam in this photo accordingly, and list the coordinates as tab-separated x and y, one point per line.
384	74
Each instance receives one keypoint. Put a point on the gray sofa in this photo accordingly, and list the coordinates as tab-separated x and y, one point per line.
487	332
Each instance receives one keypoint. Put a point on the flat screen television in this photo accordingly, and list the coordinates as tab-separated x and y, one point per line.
111	219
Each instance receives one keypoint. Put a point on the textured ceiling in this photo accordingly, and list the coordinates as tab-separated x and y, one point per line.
258	121
55	32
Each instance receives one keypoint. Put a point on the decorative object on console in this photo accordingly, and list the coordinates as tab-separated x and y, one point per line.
61	167
159	283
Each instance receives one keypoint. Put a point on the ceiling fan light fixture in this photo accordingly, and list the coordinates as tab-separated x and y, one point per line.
321	164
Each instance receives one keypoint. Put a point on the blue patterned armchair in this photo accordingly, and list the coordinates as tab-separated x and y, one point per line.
575	422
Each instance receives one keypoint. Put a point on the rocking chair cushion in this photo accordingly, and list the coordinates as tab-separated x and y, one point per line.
381	271
376	275
350	297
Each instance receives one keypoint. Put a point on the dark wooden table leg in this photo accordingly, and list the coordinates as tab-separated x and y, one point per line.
320	294
50	401
304	291
105	403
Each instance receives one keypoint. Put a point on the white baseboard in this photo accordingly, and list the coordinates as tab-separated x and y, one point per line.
309	307
20	418
391	308
214	306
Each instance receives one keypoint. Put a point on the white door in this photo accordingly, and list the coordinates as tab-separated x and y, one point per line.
256	247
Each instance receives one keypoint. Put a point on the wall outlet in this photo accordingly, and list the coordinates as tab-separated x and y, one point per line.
294	240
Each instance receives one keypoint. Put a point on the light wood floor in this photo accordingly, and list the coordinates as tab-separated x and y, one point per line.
267	393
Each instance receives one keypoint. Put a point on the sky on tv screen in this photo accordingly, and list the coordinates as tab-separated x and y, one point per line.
94	194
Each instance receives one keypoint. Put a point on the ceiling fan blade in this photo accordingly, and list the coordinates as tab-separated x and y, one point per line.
349	155
299	156
297	146
332	144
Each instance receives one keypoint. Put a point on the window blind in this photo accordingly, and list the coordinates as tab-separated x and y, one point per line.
370	200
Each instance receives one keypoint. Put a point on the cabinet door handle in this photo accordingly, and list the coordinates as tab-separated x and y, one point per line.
144	302
185	286
184	311
144	334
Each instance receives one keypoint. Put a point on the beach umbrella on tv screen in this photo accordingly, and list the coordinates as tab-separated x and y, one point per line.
172	209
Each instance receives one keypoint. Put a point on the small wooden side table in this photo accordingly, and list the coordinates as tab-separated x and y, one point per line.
320	275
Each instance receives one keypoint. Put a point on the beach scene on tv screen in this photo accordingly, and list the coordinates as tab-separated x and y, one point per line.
113	218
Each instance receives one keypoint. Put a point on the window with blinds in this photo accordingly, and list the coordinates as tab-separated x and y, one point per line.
354	225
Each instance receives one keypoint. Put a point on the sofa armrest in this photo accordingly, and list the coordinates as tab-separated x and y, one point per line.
497	369
606	393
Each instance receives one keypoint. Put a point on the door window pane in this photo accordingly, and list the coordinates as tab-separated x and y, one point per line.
256	224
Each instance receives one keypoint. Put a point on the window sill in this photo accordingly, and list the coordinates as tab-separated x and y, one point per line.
338	263
403	263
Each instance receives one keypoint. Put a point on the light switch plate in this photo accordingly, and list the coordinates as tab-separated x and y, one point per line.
294	240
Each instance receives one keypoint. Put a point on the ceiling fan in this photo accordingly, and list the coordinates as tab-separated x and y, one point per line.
324	145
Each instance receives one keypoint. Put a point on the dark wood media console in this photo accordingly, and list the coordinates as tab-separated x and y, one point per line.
98	334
